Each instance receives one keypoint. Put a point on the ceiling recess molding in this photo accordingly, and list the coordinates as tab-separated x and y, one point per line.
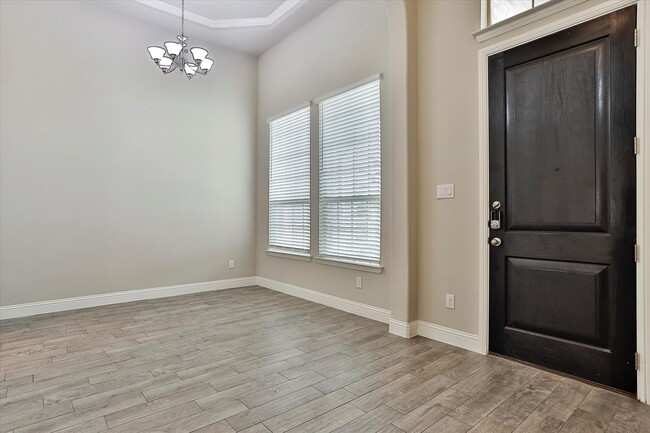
247	26
285	9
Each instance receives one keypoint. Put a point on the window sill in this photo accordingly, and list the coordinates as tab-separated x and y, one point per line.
351	264
289	255
524	18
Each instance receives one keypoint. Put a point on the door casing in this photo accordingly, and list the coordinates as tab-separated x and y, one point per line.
643	160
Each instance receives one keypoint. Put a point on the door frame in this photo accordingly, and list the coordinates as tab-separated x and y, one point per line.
642	162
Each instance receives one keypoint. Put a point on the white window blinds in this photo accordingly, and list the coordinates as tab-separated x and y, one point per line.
289	171
350	175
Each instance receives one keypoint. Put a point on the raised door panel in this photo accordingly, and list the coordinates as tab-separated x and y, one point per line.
560	299
556	141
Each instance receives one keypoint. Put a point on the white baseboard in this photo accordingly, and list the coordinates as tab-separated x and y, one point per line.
56	305
403	329
451	336
363	310
443	334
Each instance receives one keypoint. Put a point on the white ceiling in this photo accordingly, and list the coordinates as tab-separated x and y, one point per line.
229	9
250	26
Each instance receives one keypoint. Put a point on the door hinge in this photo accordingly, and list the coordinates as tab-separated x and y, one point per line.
636	146
637	360
636	252
636	38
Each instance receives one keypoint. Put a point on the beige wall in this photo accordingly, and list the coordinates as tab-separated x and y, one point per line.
448	153
113	176
348	42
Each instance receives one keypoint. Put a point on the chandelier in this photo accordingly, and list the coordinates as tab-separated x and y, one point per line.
176	55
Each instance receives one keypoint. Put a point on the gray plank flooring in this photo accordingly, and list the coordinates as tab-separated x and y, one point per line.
256	361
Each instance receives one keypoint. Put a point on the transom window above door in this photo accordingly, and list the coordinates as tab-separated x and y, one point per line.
499	10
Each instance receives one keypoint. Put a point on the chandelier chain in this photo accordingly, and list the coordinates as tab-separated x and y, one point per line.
182	17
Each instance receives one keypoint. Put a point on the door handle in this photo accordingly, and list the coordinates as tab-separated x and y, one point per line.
495	242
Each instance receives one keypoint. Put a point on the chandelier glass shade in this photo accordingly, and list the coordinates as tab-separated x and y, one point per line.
176	56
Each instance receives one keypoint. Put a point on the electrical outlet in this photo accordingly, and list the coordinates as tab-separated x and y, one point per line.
359	283
231	264
451	302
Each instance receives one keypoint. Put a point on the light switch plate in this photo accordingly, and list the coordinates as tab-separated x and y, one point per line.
451	302
445	191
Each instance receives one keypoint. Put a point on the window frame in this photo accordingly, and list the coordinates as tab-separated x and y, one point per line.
486	11
359	265
520	20
343	261
281	251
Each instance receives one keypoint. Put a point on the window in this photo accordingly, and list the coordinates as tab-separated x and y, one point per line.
500	10
350	175
289	186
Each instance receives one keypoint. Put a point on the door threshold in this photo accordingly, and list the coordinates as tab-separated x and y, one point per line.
566	375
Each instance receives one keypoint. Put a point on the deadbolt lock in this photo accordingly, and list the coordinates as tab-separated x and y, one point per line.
496	204
495	220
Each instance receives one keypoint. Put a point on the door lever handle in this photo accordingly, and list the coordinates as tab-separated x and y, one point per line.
495	242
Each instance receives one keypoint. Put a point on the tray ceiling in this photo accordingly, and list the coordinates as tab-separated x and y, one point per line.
250	26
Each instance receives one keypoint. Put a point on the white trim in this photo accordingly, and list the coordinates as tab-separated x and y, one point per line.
284	10
643	191
484	15
56	305
303	257
344	89
289	111
643	197
451	336
530	16
363	310
403	329
595	11
432	331
483	201
407	330
374	268
281	12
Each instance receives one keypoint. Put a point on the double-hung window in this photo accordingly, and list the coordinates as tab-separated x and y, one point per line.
289	183
350	175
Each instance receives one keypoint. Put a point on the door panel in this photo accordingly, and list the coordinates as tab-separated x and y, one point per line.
562	281
555	111
534	288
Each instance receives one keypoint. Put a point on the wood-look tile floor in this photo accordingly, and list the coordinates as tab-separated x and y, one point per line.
258	361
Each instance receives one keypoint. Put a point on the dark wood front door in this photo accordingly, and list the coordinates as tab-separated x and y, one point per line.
562	167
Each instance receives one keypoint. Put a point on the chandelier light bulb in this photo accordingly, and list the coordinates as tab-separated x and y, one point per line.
199	53
173	48
190	70
165	63
175	55
206	64
156	53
